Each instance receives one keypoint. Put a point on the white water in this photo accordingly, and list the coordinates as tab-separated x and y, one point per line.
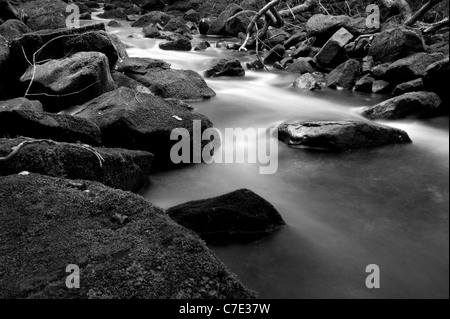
385	206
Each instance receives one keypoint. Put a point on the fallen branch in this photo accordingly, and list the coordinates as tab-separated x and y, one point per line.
437	26
421	12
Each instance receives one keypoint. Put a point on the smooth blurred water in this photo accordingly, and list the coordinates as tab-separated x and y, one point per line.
386	206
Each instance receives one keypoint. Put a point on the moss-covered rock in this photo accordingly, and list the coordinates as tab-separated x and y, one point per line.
125	247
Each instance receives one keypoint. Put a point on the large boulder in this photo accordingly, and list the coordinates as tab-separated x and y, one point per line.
436	77
181	44
125	247
134	120
408	105
307	82
241	215
365	84
393	44
218	27
116	13
225	67
239	22
301	66
21	103
117	168
345	75
155	17
411	67
60	84
410	86
340	136
330	53
165	82
42	125
12	29
45	14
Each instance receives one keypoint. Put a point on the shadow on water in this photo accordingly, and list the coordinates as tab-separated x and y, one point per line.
386	206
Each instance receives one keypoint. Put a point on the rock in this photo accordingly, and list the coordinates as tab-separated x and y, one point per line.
239	22
7	11
340	136
120	47
380	86
153	5
411	67
332	50
201	46
394	44
367	64
379	71
218	27
12	29
21	103
192	16
42	125
126	248
407	87
133	120
301	66
151	32
276	37
364	84
345	75
275	55
436	76
295	39
114	24
177	25
121	79
167	83
118	13
60	84
324	26
225	67
204	25
181	44
255	65
85	16
307	82
45	14
241	215
358	49
304	49
122	169
409	105
155	17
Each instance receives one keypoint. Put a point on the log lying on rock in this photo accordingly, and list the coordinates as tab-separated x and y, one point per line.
340	136
124	246
238	216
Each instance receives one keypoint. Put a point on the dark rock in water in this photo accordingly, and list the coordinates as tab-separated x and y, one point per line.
21	103
410	68
12	29
255	65
42	125
120	47
301	66
133	120
241	215
380	86
60	84
177	25
145	253
151	32
239	22
181	44
218	27
85	16
344	75
364	84
114	24
332	50
408	87
118	168
275	55
340	136
225	67
154	18
118	13
307	82
394	44
161	80
408	105
201	46
204	25
192	16
45	14
436	77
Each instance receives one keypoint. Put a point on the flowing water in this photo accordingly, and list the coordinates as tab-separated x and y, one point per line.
386	206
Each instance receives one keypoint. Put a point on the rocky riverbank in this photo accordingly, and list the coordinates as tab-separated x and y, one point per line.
82	123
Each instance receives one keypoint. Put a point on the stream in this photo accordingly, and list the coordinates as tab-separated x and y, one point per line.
387	206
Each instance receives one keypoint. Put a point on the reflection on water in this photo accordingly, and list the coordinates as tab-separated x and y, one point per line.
386	206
